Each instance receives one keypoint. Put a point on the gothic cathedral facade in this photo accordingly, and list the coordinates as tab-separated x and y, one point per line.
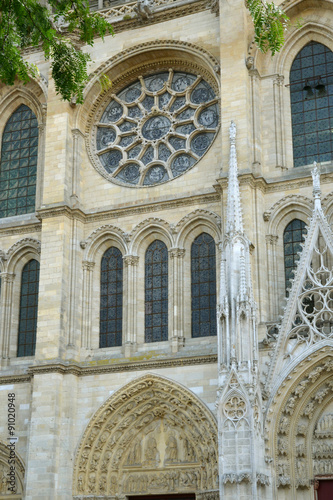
166	263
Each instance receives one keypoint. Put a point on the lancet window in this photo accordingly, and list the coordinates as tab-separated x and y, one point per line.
111	305
293	237
203	286
18	166
28	309
156	292
311	93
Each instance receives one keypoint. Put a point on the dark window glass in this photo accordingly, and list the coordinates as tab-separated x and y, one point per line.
18	164
293	237
311	93
156	292
203	286
28	309
111	310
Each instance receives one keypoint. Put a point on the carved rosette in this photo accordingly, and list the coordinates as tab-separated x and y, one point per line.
235	408
153	436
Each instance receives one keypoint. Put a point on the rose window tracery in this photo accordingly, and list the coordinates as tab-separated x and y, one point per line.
156	128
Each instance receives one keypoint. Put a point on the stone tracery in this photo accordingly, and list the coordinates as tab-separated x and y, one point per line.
156	128
151	436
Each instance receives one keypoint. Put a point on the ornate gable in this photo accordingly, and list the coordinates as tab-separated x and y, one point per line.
307	323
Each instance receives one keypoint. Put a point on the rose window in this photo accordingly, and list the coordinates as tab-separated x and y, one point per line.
156	129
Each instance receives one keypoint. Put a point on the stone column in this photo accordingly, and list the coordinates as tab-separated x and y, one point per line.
78	146
255	108
7	280
88	268
271	242
129	304
41	161
177	298
278	122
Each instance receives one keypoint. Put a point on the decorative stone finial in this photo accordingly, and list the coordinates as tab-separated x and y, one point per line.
232	132
316	185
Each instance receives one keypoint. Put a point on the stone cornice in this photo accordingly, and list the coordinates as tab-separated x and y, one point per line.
61	210
273	184
76	213
161	13
23	228
164	13
96	369
15	379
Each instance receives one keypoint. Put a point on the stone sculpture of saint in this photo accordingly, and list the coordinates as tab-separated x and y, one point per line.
152	455
171	452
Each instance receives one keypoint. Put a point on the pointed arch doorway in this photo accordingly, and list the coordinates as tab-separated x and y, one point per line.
152	437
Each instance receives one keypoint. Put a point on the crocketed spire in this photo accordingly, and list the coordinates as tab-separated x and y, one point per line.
234	212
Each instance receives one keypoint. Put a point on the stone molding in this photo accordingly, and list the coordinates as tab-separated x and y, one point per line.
45	213
149	46
15	379
81	370
295	199
27	228
232	478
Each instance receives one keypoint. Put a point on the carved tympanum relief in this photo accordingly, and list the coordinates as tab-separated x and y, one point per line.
322	443
153	436
6	481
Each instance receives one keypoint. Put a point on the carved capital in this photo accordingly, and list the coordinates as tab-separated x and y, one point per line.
272	239
88	265
131	260
77	133
177	252
8	277
279	80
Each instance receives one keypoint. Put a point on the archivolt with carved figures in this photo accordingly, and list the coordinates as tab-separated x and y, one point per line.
302	440
152	436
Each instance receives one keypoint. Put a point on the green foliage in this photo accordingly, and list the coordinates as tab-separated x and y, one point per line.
26	23
270	24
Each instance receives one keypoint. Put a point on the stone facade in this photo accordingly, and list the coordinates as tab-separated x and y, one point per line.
246	413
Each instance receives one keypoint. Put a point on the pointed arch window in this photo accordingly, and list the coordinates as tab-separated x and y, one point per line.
156	292
311	94
293	237
203	286
28	309
18	165
111	306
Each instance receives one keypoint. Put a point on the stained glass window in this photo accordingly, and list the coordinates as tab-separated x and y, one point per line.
203	286
28	309
156	129
111	310
156	292
18	165
293	237
311	93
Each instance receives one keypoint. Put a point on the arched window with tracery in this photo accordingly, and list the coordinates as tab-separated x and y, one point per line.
293	237
203	286
311	93
18	165
156	292
111	305
28	309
